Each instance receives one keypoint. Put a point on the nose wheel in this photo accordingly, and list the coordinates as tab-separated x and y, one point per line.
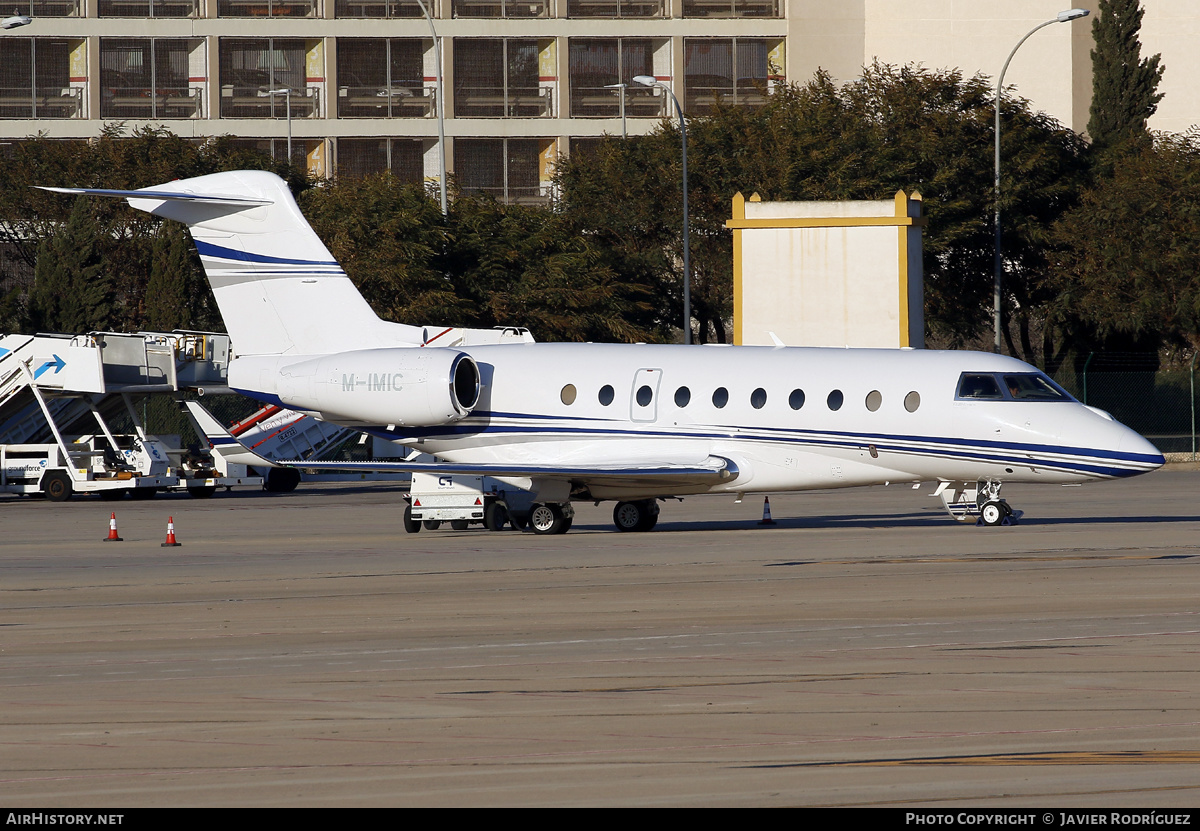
993	510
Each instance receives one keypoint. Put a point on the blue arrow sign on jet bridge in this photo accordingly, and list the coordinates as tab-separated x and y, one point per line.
58	363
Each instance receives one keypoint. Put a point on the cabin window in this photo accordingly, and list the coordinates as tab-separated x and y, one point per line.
720	397
568	394
796	399
758	398
979	387
835	400
606	395
912	401
644	395
1030	387
874	400
682	396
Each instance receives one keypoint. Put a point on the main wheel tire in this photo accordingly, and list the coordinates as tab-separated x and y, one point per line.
411	525
547	519
57	486
636	516
495	517
992	513
628	516
282	480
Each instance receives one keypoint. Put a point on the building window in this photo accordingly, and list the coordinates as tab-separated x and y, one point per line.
501	8
380	78
499	78
731	8
615	8
266	8
147	78
35	78
729	70
404	157
597	63
382	8
509	169
148	8
253	68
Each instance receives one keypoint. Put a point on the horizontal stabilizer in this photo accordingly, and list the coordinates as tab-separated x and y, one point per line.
151	193
221	442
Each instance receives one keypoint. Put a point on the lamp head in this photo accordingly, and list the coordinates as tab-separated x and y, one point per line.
1072	14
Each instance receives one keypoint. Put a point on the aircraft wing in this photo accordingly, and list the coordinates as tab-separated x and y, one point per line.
712	471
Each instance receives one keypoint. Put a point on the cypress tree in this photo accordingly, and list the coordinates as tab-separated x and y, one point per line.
1124	85
71	290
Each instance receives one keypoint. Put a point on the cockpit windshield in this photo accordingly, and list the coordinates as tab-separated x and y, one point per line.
1020	386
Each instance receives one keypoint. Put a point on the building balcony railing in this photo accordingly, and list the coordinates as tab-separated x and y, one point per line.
731	8
256	102
615	8
600	102
502	8
536	195
386	102
149	8
496	102
701	98
180	102
266	8
56	102
382	8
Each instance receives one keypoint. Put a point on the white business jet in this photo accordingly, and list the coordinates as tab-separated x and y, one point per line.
631	423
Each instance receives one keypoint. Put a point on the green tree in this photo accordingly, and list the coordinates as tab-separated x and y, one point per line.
1124	84
1130	251
71	290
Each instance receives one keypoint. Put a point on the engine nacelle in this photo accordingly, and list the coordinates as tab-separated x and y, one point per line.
414	387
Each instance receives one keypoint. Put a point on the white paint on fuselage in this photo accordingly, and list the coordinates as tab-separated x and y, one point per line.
521	417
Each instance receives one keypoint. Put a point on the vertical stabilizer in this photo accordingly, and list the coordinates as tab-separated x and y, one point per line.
279	289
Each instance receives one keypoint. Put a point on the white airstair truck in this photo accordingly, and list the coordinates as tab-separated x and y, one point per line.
52	380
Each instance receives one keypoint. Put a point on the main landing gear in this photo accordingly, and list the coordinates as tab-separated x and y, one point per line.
641	515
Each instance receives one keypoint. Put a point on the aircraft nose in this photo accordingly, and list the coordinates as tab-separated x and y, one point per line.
1137	444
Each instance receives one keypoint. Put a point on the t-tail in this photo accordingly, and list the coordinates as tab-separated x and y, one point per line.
279	290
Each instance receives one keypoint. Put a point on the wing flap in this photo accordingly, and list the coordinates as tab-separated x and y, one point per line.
712	471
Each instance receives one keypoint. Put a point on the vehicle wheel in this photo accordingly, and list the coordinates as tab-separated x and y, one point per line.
282	480
432	524
114	495
547	519
411	525
992	513
495	517
459	524
202	491
627	516
636	516
57	486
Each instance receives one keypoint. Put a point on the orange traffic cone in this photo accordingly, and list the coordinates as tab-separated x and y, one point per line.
766	520
112	529
170	543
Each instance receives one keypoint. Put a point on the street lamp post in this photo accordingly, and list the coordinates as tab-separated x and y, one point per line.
1061	17
622	88
440	102
651	81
